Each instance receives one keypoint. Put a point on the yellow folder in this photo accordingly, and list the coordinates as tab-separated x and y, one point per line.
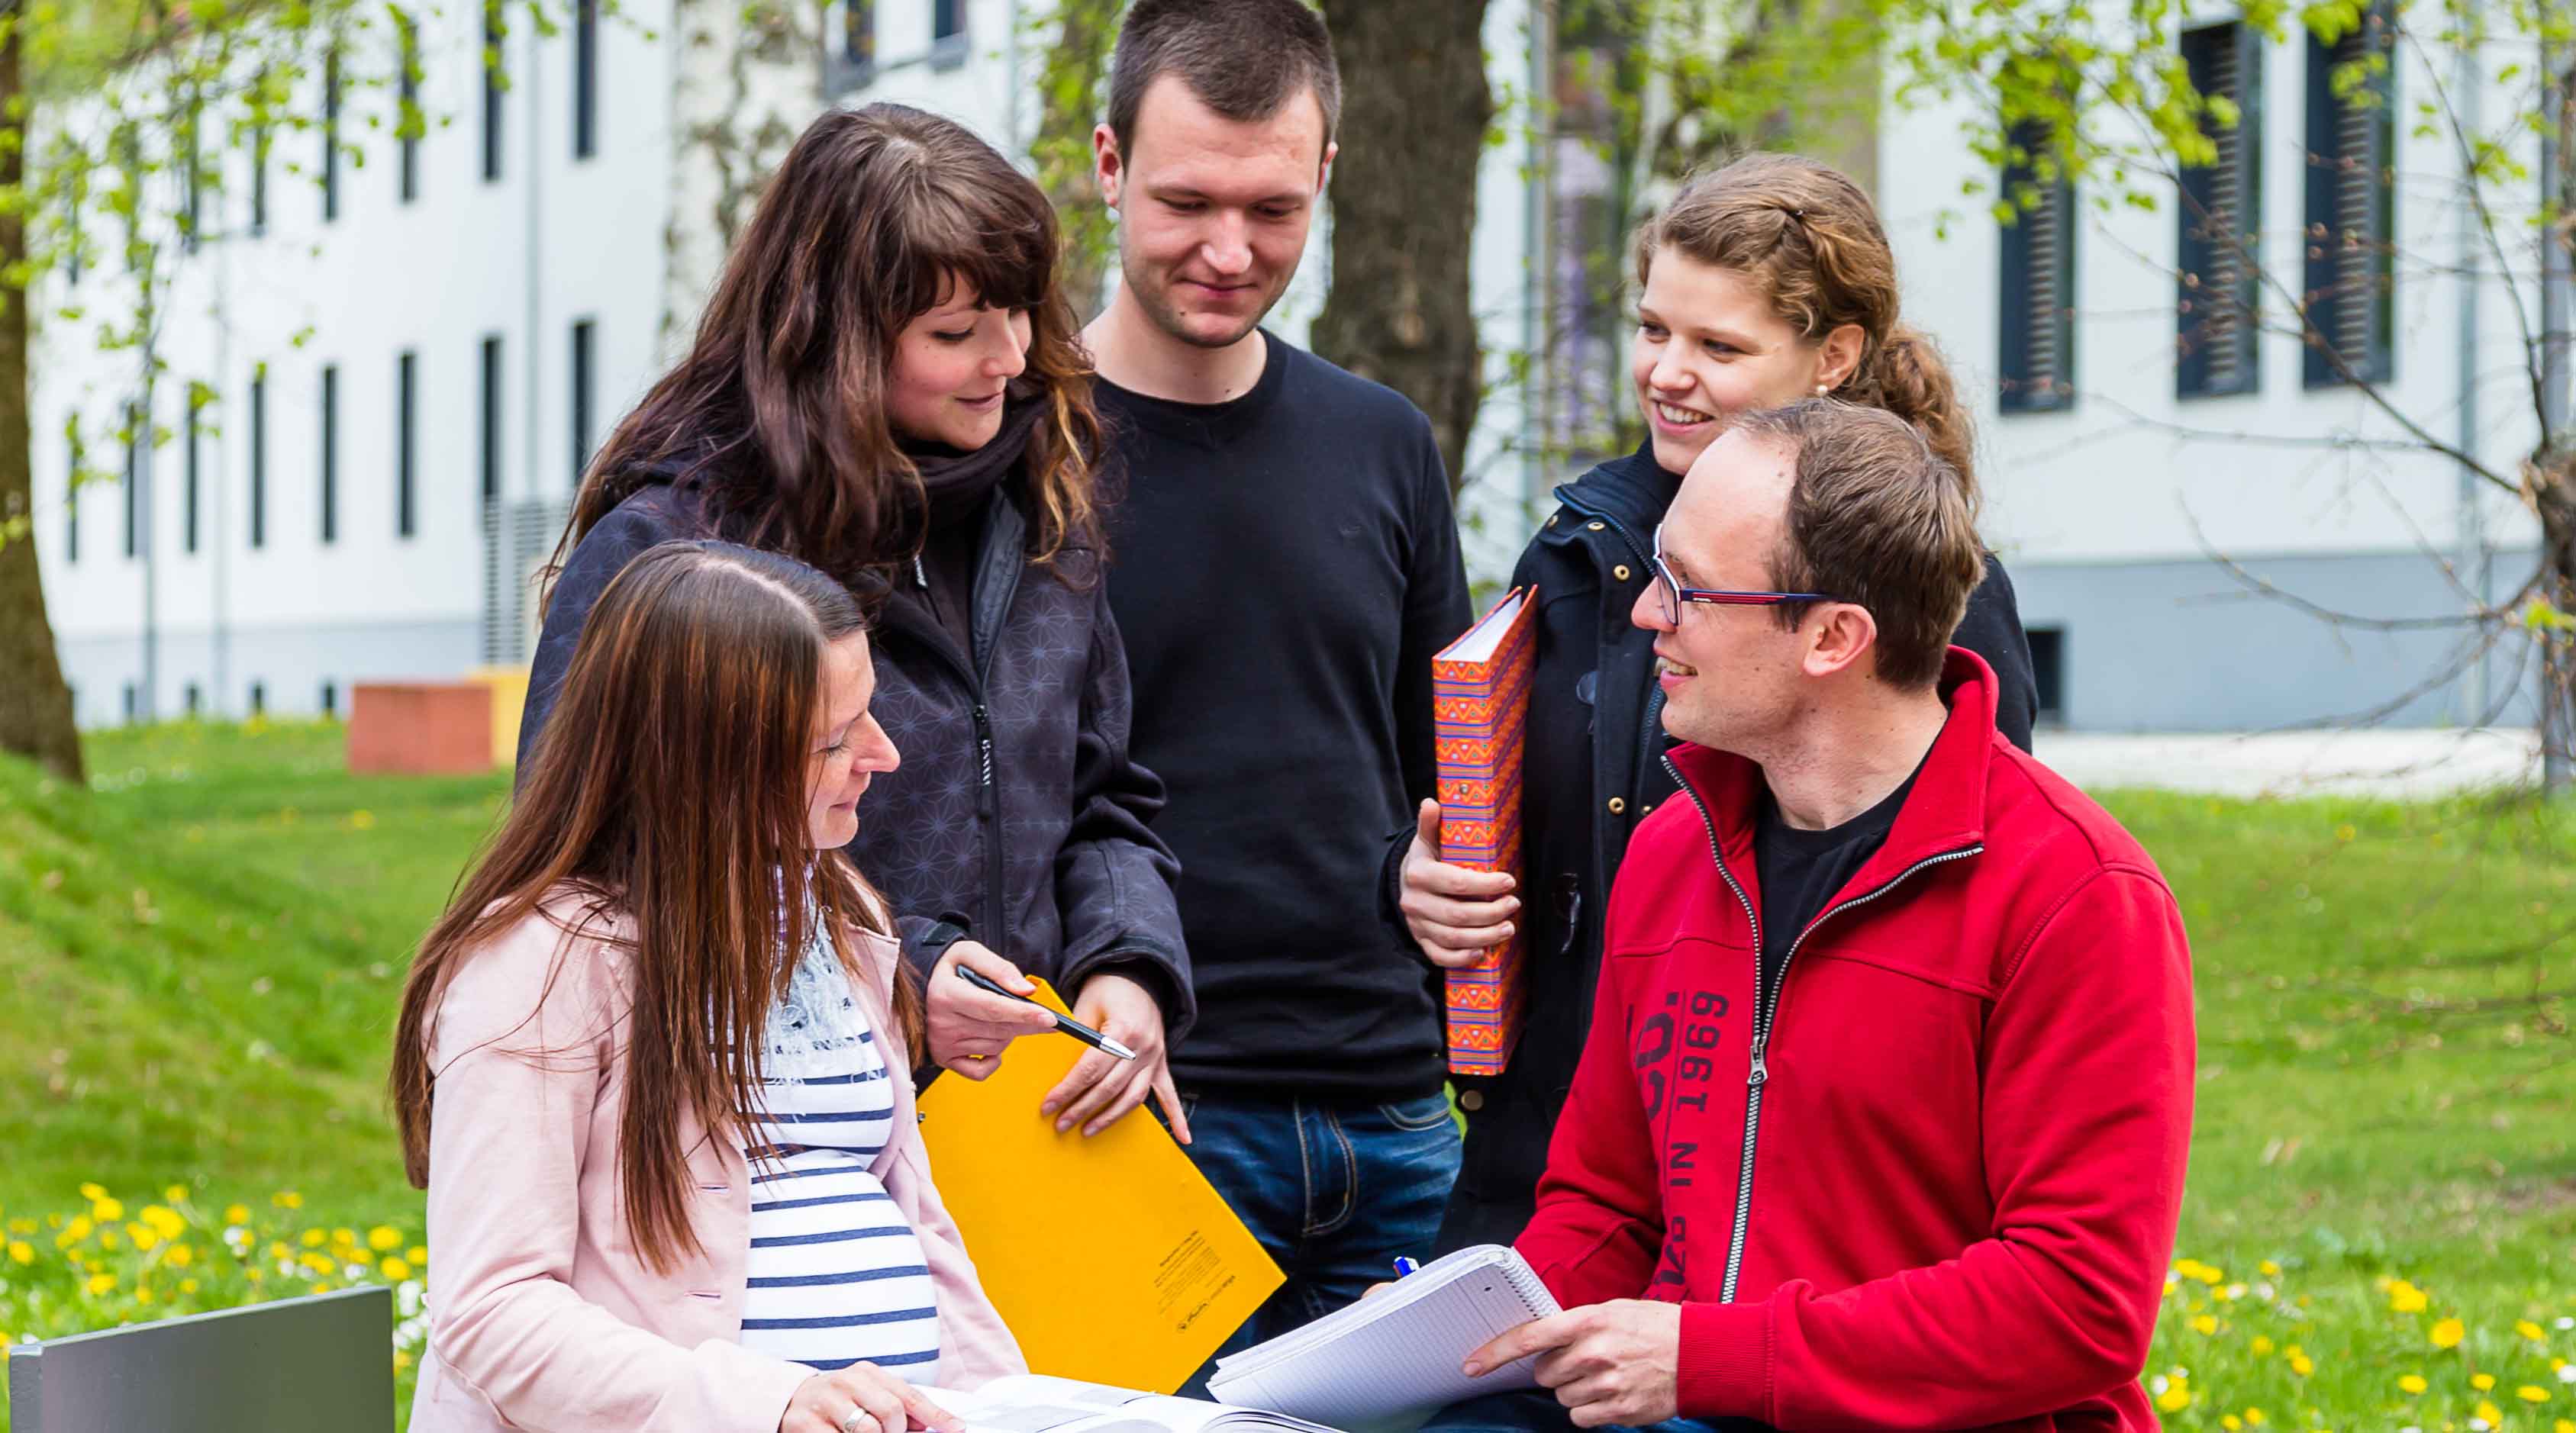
1112	1258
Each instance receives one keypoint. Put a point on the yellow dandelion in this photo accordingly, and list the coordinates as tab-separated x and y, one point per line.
394	1269
107	1239
402	1360
107	1211
2268	1269
168	1221
2254	1417
277	1249
2302	1365
318	1263
2205	1324
2530	1330
2413	1383
313	1238
187	1286
384	1237
344	1236
25	1226
2209	1275
142	1295
2563	1425
254	1273
2556	1364
21	1252
2405	1298
2261	1345
2482	1381
287	1199
417	1255
2448	1333
321	1287
101	1283
175	1193
236	1214
2175	1398
93	1192
180	1256
2532	1393
2488	1411
2230	1422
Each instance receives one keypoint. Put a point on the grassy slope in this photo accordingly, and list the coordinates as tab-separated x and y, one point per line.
206	951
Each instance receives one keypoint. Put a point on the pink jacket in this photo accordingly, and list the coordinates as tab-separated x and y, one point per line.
542	1313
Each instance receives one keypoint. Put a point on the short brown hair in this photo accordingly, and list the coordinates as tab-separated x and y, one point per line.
1245	59
1809	239
1877	518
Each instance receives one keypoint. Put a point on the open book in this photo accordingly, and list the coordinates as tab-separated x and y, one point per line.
1037	1403
1389	1358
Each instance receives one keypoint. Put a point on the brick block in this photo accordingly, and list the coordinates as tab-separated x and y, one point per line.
420	728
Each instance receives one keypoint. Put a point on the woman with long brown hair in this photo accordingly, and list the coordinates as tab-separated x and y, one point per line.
650	1065
1764	282
887	384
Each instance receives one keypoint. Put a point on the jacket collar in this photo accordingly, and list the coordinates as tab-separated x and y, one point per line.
1944	814
1632	489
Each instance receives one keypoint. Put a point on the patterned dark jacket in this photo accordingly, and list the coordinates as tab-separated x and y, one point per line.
1016	815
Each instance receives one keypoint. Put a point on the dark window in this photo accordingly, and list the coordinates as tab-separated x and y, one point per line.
2038	279
192	208
581	335
331	699
2218	300
133	704
258	698
585	79
73	457
947	33
330	453
2048	669
2352	205
133	479
259	460
859	35
491	429
407	117
330	135
259	137
404	442
188	528
196	699
493	35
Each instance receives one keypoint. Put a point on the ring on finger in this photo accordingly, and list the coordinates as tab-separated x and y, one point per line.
860	1421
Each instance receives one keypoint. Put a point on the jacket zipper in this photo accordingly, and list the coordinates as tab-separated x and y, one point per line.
990	798
1766	1009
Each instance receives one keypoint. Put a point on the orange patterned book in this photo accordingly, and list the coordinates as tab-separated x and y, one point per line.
1480	698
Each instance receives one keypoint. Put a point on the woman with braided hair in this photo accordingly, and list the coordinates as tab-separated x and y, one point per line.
1764	282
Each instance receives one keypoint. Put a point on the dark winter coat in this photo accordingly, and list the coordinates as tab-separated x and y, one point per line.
1016	816
1596	744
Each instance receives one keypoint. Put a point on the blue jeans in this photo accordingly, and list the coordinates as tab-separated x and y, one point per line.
1335	1192
1537	1411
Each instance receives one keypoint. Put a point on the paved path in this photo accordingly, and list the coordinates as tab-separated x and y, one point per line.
2388	762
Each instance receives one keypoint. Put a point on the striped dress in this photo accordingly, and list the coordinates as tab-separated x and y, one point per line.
836	1275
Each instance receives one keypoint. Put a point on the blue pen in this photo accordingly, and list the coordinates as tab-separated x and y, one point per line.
1404	1266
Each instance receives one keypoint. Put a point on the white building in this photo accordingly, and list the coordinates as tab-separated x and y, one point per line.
405	389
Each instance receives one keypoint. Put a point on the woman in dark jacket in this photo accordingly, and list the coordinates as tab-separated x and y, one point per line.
1767	281
887	385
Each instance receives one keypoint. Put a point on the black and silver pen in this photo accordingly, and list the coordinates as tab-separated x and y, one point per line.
1065	1023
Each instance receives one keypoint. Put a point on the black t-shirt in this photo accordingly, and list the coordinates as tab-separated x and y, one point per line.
1801	870
1282	567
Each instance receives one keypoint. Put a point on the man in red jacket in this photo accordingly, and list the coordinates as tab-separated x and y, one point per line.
1883	1117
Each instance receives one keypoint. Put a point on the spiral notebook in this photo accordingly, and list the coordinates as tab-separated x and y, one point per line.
1395	1354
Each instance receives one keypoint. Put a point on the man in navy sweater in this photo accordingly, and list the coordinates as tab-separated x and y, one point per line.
1284	564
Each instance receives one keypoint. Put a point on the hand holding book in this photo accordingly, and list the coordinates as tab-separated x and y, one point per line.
1456	913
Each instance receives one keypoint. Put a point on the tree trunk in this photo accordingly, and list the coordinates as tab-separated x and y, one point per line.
2552	490
35	706
1069	103
1414	111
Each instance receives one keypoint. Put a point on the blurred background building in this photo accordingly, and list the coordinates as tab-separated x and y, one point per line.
406	363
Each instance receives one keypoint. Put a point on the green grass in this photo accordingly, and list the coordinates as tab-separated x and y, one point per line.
206	948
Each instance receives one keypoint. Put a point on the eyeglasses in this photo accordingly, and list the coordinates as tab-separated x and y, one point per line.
1674	594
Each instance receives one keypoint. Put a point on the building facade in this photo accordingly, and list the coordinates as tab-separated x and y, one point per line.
409	361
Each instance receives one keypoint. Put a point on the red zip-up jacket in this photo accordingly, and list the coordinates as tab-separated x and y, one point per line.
1928	1181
